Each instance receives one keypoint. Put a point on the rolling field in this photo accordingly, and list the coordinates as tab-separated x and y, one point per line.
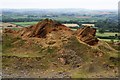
106	34
60	18
24	24
108	40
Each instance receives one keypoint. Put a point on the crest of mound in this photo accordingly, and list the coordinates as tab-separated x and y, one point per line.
41	29
47	33
87	35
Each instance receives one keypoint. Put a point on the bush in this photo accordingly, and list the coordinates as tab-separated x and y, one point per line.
101	31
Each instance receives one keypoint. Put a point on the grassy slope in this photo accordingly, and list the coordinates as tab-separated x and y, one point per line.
18	56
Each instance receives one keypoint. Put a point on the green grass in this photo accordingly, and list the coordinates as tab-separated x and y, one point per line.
7	42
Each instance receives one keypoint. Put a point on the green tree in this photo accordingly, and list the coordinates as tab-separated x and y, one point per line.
101	31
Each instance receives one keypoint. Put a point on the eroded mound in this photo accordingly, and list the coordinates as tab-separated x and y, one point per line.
52	29
51	50
47	26
41	29
87	35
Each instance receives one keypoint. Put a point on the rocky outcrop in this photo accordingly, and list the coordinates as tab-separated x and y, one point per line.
41	29
87	35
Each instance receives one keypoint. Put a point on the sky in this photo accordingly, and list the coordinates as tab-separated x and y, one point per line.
54	4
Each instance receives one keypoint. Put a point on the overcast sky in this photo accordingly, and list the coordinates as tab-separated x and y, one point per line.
48	4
